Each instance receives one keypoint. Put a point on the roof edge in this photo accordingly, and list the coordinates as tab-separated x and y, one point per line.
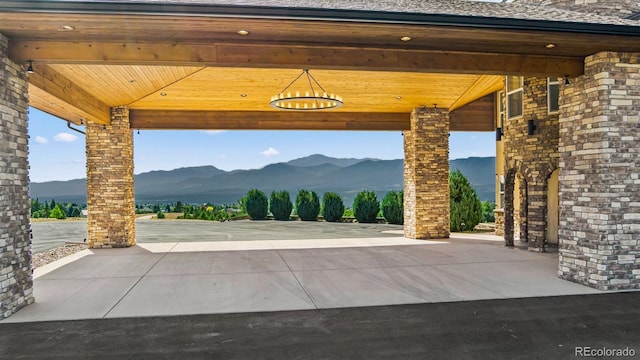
293	13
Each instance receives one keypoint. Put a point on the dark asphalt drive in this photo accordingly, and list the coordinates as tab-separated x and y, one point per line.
532	328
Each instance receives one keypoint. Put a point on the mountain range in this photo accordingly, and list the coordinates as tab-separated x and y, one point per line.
315	172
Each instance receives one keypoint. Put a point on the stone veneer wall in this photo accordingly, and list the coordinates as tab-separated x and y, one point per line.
533	158
110	200
599	237
16	280
426	175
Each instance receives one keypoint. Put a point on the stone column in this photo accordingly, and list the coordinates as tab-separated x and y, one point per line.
16	280
426	175
536	216
599	231
509	208
110	200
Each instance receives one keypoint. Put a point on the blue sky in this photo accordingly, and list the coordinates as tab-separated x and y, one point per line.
57	153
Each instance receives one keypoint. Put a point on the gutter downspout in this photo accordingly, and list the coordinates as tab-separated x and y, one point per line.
74	129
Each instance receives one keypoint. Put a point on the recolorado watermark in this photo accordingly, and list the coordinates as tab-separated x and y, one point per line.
586	351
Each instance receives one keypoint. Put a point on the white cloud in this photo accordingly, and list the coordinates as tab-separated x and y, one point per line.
213	132
41	140
222	156
65	137
270	152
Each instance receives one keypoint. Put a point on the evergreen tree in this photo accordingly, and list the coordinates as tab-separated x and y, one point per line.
307	205
35	205
178	206
366	207
76	212
393	207
57	213
46	211
256	204
487	211
466	209
332	207
280	205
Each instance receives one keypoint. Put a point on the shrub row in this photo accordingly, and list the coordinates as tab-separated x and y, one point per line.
466	210
307	205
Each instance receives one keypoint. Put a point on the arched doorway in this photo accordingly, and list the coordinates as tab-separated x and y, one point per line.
553	219
520	209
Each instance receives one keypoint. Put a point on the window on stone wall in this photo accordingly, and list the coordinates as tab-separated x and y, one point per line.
553	95
514	96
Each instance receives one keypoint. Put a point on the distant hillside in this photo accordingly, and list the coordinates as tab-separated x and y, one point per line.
315	172
481	173
318	159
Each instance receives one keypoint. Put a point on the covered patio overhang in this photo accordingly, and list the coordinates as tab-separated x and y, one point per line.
185	64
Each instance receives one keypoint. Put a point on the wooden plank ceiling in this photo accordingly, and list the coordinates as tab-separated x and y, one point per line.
164	91
198	72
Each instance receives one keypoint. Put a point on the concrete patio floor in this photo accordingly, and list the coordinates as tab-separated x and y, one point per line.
179	278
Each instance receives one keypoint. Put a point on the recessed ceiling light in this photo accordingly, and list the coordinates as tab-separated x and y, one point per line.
550	45
398	97
163	94
243	95
405	38
68	27
243	32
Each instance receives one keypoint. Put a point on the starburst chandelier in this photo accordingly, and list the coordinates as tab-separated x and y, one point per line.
315	98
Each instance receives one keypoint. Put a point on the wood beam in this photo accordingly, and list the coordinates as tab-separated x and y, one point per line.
267	120
476	116
288	56
68	96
